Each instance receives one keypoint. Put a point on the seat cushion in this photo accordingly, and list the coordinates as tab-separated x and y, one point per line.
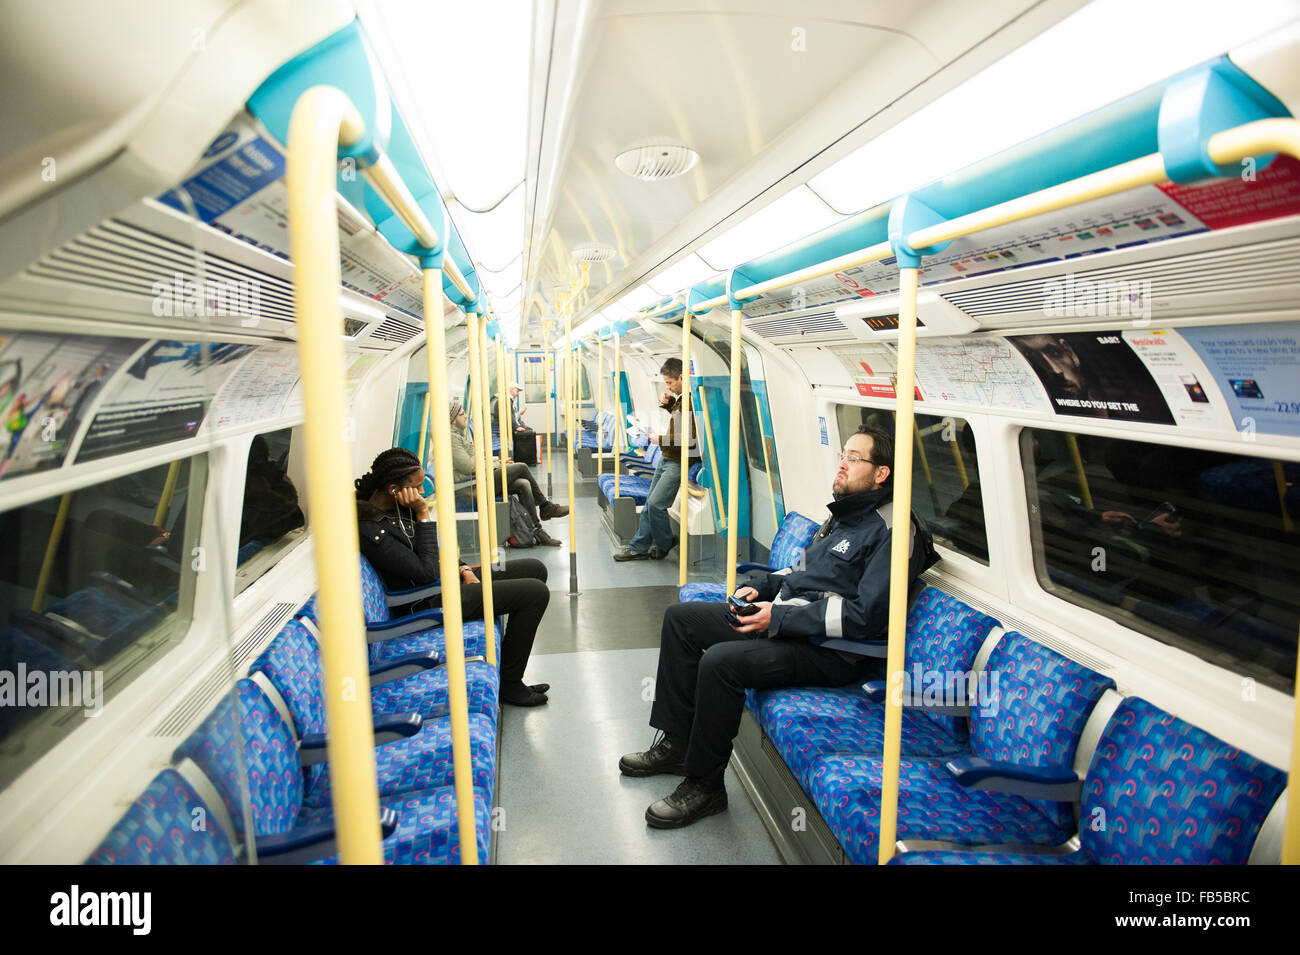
473	632
630	485
807	724
427	832
930	806
702	593
954	857
426	692
423	761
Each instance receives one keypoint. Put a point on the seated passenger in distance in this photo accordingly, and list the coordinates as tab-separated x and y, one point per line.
706	662
519	479
399	537
654	533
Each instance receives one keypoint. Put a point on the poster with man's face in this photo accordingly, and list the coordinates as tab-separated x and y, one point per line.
1094	375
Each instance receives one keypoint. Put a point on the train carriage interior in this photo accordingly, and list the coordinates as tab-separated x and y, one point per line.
1049	247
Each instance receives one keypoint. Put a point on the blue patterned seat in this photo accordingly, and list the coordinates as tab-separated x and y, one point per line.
792	539
1159	791
1033	716
415	633
159	829
634	486
943	634
423	761
276	783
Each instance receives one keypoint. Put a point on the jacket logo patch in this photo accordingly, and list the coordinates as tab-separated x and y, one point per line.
841	548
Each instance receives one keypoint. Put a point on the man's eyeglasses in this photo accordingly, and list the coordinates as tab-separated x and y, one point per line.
853	458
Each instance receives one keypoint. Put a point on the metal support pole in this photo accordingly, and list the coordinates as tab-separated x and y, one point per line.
684	441
484	445
904	427
482	479
733	452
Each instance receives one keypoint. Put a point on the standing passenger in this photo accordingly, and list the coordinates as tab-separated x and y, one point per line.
654	534
399	537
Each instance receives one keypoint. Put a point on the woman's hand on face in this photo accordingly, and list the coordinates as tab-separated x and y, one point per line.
410	497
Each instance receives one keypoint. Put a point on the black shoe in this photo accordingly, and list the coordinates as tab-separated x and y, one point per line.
550	510
522	696
666	755
539	687
657	554
628	553
690	802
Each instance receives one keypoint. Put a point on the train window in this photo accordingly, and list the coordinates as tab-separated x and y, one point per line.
760	445
95	585
272	520
945	475
1196	548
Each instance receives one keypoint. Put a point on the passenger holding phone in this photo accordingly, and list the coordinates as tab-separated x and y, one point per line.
795	627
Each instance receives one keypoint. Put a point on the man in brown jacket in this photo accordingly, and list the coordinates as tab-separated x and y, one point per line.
654	535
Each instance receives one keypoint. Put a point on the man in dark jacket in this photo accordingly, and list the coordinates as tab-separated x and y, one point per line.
809	621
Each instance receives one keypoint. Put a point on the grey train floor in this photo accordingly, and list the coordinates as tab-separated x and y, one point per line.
564	800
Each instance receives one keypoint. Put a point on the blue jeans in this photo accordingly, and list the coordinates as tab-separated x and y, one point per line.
654	527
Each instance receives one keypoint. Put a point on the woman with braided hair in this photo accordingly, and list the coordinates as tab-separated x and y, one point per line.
399	537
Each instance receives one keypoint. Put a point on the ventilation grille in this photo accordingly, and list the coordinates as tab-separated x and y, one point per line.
206	695
123	258
818	323
654	161
1252	268
396	331
1011	622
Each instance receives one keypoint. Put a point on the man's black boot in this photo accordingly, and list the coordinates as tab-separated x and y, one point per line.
695	798
665	756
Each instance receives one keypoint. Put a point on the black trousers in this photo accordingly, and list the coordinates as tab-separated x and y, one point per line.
520	593
705	668
520	480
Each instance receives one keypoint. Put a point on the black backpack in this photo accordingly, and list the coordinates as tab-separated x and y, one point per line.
523	527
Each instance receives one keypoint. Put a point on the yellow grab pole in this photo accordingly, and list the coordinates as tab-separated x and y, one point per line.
449	569
571	371
552	425
503	449
322	119
1291	831
767	463
684	442
484	446
51	549
481	481
898	563
505	428
713	463
620	421
169	489
959	460
1084	490
733	451
600	405
424	429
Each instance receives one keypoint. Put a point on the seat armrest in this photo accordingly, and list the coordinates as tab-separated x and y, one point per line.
874	691
397	598
312	748
309	843
746	567
1058	783
863	648
399	668
403	626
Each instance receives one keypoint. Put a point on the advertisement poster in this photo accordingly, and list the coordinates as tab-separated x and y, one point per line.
258	389
1257	369
161	396
47	386
1094	375
1187	388
978	371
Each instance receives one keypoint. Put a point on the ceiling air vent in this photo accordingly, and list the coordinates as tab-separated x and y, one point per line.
395	331
654	161
818	323
596	252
